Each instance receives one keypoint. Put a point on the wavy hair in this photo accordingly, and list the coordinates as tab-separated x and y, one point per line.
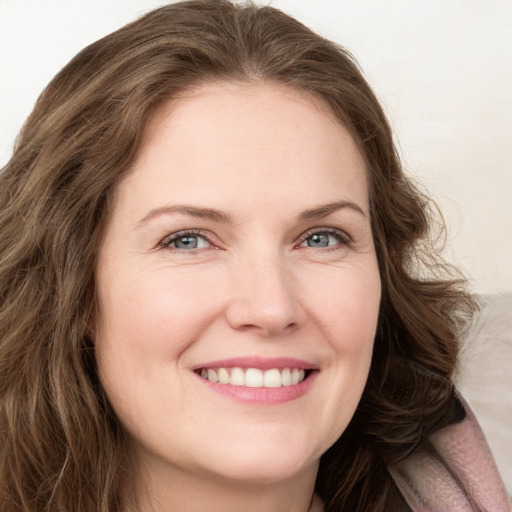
62	447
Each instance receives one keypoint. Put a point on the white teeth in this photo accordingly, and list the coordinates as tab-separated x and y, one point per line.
212	376
272	379
254	377
223	376
286	377
237	377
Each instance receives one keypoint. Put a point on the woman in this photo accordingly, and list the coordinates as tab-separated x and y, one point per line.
213	292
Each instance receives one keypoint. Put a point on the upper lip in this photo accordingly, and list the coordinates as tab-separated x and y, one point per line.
263	363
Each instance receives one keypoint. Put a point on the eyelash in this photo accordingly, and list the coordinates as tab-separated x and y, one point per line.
342	237
167	241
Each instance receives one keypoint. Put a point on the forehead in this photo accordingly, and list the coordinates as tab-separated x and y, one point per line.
226	137
243	94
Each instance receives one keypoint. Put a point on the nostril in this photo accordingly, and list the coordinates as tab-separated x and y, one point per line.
266	328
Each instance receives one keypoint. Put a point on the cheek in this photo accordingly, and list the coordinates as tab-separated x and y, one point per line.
157	312
346	310
146	324
355	316
346	305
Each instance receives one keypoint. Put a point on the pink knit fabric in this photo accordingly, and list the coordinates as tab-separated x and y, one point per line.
454	472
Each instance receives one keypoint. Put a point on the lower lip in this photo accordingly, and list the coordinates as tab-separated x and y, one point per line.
266	396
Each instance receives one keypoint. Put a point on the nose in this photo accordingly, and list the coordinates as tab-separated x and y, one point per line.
264	298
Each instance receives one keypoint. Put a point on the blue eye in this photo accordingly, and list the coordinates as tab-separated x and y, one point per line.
322	239
186	241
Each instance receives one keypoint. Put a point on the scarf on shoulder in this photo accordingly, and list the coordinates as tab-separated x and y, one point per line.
453	472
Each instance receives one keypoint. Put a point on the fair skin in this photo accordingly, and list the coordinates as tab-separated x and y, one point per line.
240	239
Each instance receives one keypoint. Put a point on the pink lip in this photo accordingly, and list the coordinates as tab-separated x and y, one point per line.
263	363
264	396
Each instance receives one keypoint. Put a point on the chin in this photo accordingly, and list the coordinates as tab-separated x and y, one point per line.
265	470
265	461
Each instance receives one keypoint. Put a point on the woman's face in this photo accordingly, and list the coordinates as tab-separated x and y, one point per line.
239	249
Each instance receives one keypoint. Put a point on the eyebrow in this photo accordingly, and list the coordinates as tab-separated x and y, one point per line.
212	214
324	210
194	211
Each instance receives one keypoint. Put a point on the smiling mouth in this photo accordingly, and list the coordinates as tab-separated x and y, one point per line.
254	377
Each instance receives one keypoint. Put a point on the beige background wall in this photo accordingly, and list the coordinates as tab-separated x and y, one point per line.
443	69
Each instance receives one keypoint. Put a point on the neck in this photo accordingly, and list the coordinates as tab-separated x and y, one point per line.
178	491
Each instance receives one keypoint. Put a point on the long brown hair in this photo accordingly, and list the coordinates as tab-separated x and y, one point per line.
62	448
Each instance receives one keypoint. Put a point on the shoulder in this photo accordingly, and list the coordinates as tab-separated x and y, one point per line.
456	467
